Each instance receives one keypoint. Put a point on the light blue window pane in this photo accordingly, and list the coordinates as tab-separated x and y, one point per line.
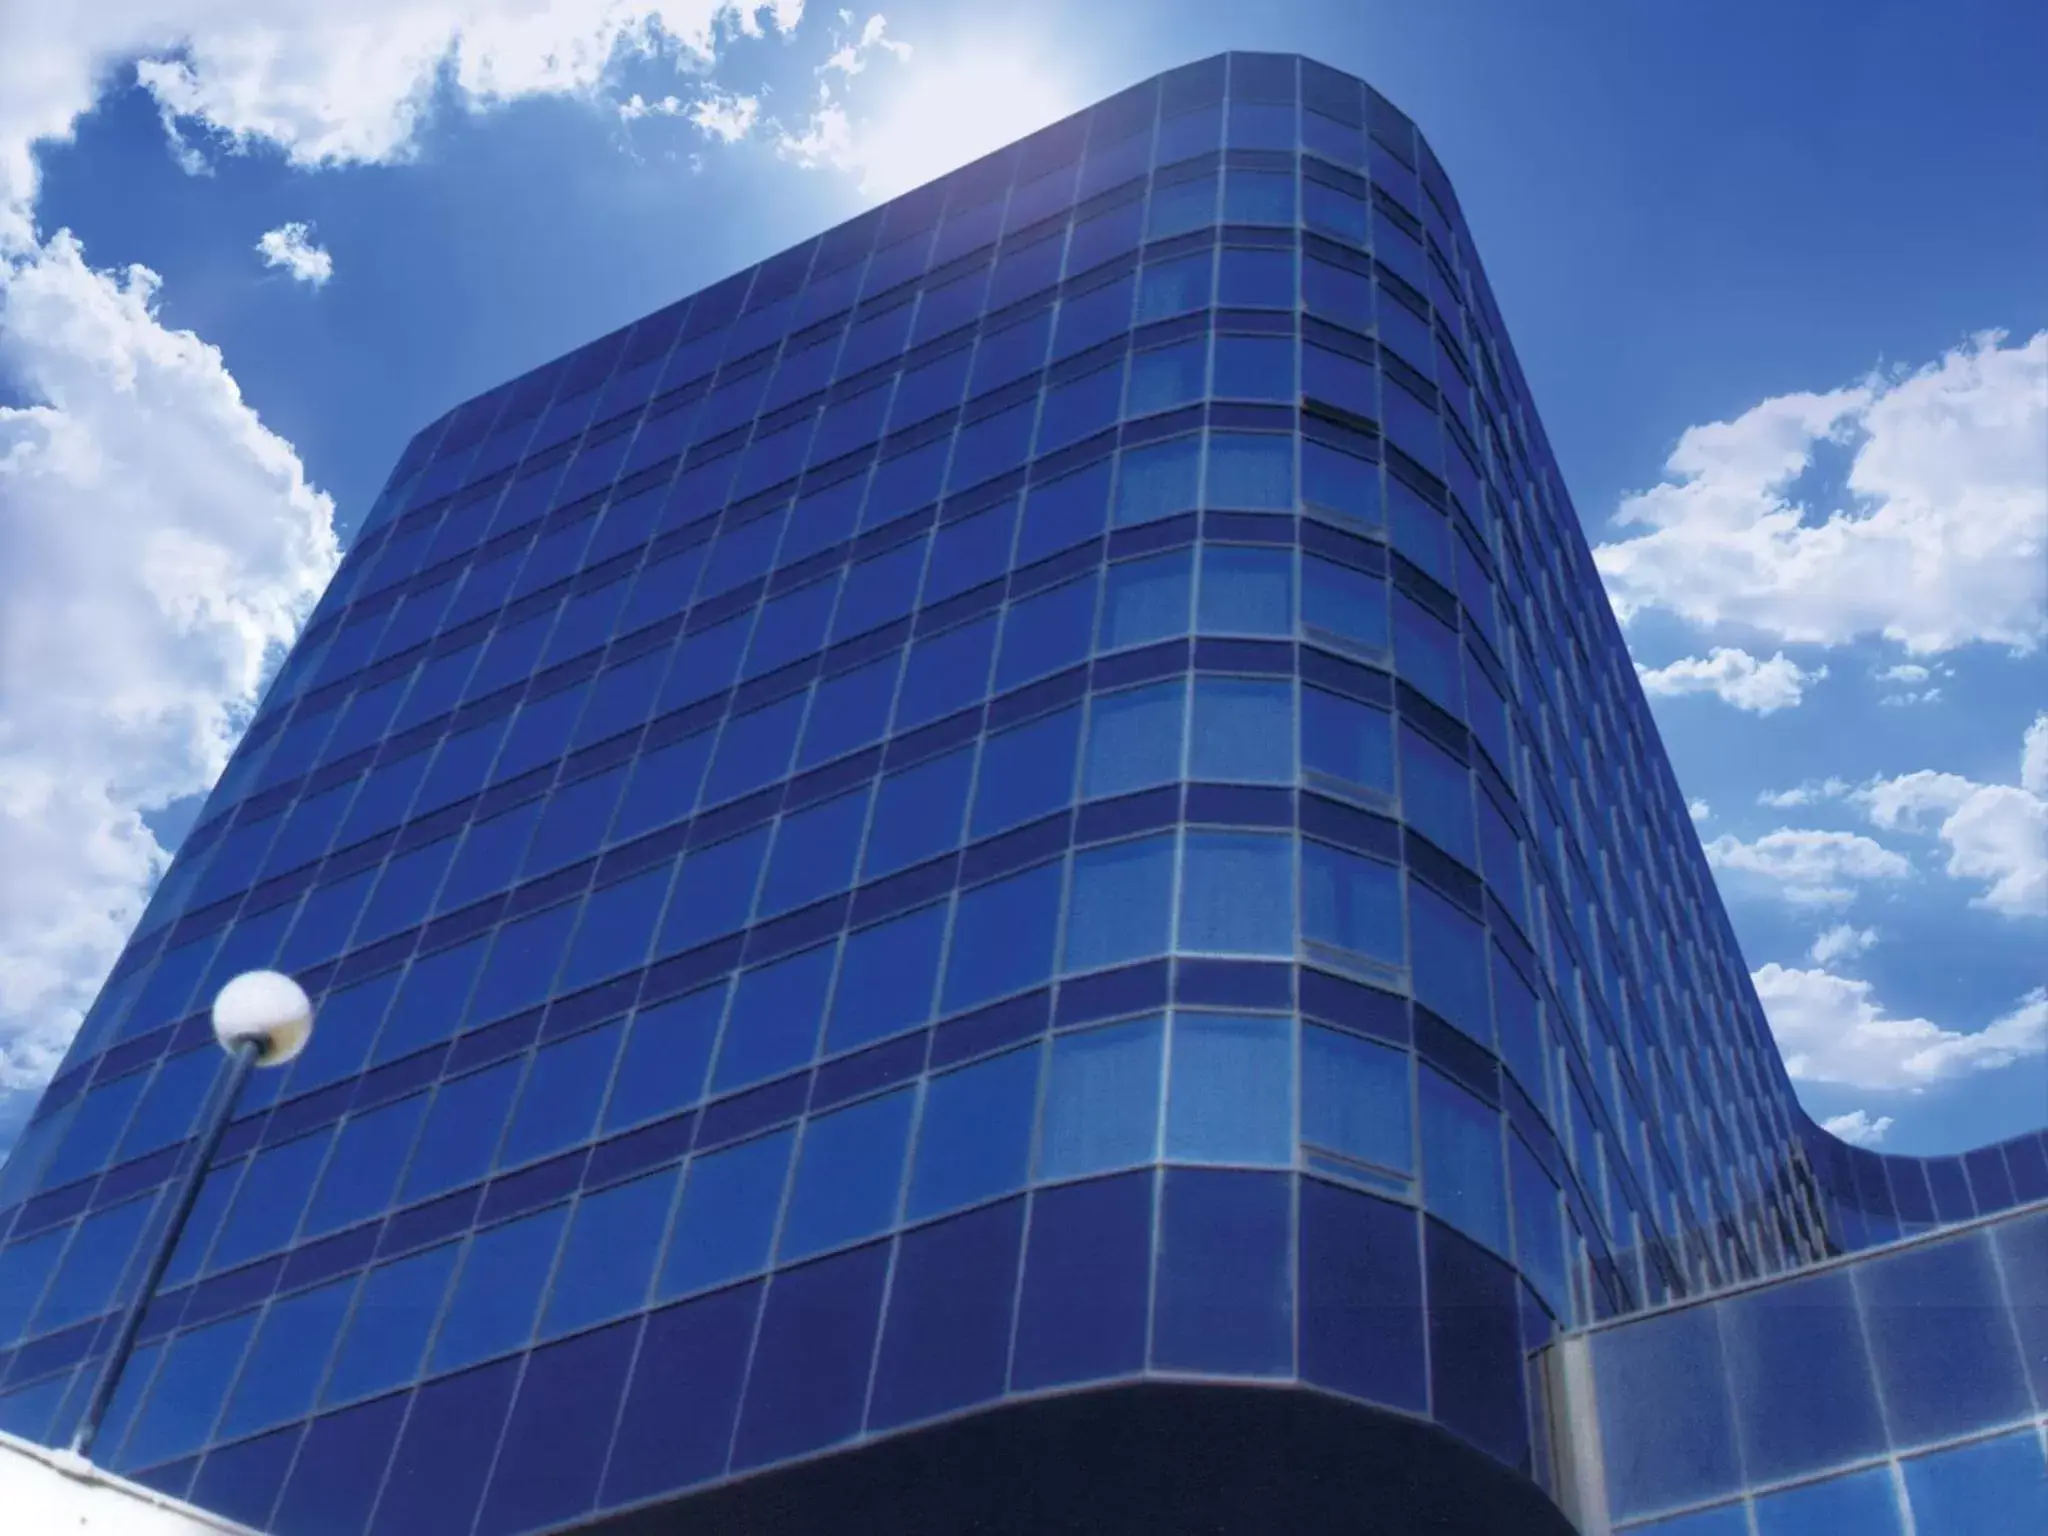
887	978
1862	1502
1003	938
1165	377
271	1201
1461	1167
1252	470
849	1177
288	1359
1243	730
668	1051
1120	907
1348	740
565	1089
1345	603
773	1023
1351	902
731	1199
461	1135
1102	1099
499	1290
1148	600
1157	480
609	1257
1355	1099
197	1370
1728	1520
974	1137
1246	591
1134	739
393	1320
1994	1488
1230	1093
1237	894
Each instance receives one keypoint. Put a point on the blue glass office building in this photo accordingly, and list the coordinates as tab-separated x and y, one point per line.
1003	874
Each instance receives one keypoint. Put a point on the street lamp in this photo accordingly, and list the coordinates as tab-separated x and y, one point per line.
261	1019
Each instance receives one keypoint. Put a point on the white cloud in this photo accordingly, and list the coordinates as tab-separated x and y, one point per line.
1733	676
1698	809
1994	833
1857	1128
291	247
160	544
1807	867
1841	942
1942	541
1904	672
1831	1030
725	117
1809	793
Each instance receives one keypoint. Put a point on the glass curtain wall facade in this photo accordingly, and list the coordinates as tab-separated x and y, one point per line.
1035	792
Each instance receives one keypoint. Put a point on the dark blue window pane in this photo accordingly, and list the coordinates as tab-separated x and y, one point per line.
1026	772
731	1199
974	1137
1355	1099
1147	600
754	749
1173	287
879	590
668	1050
394	1317
1539	1229
1361	1296
1102	1099
1339	602
438	1470
946	1342
1256	279
1082	1310
1243	730
1341	484
706	663
460	766
676	1427
664	786
100	1251
616	927
715	891
195	1375
918	813
1246	591
1156	481
1080	407
887	978
1165	377
24	1271
1436	796
271	1200
461	1133
565	1087
1925	1310
559	1433
945	673
1134	739
1237	893
1062	513
172	1103
490	857
814	853
1047	633
523	962
810	1373
849	1176
287	1360
1427	655
850	711
431	1001
1225	1299
1003	937
405	891
1121	904
1861	1502
967	553
773	1023
369	1155
574	822
608	1259
1351	903
1461	1161
499	1289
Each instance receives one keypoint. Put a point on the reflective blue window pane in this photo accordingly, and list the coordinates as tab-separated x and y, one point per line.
969	552
664	786
1082	1307
849	1176
431	1002
945	673
171	1104
523	962
1046	633
1243	730
1026	772
272	1198
1174	287
1427	655
947	1338
1341	483
1355	1099
1664	1450
1802	1386
369	1155
1461	1162
1247	469
887	978
668	1051
1347	604
1003	937
499	1290
565	1088
608	1259
850	711
754	749
918	813
1347	740
1449	962
731	1199
974	1135
1156	481
1102	1099
1147	600
1230	1094
1361	1297
1237	893
1436	796
1134	739
880	590
25	1269
287	1360
489	858
1539	1229
1224	1298
1165	377
1246	591
814	853
773	1023
1926	1308
1062	513
393	1319
1121	903
1992	1488
195	1375
1860	1502
715	891
93	1264
462	1129
572	826
615	929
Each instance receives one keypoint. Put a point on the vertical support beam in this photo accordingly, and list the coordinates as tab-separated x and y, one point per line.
1570	1401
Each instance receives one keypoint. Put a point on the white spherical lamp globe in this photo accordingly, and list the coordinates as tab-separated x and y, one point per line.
265	1007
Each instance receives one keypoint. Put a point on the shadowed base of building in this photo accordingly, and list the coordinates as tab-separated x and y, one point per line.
1158	1457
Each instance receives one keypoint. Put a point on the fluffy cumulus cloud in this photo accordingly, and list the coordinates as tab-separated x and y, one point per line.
159	545
1734	677
1941	539
1858	1128
290	248
1806	866
1698	809
1841	942
1831	1029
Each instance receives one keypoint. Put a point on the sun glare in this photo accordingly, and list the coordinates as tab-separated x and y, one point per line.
942	110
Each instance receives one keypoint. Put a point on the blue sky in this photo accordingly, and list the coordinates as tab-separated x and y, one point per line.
1748	255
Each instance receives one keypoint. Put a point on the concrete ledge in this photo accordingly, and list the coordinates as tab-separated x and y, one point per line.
46	1492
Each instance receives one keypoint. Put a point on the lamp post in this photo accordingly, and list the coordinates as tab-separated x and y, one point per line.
261	1019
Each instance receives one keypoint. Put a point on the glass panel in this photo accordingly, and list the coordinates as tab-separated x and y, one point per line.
1237	893
1102	1099
731	1199
974	1136
1355	1098
848	1181
499	1291
1230	1096
1121	905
